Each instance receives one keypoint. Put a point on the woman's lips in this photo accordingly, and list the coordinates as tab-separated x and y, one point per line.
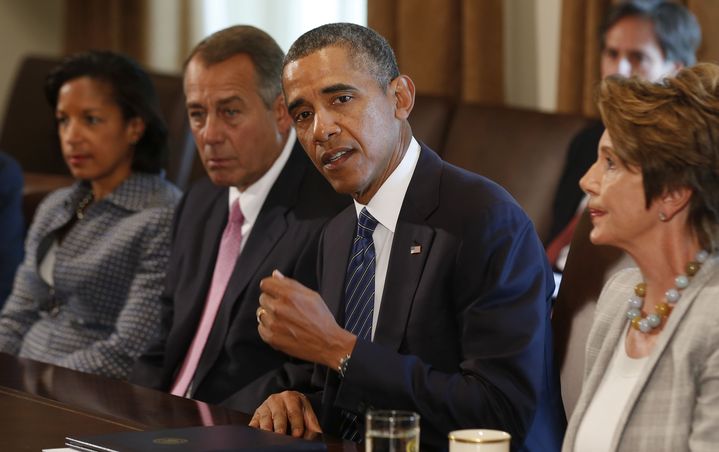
594	213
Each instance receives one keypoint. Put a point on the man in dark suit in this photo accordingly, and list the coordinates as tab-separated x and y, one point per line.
434	288
270	202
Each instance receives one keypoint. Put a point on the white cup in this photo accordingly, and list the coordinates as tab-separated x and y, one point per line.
479	440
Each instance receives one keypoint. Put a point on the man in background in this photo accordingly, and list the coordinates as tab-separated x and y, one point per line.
261	208
435	292
646	39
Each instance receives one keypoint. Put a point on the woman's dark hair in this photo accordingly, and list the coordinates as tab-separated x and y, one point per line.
133	92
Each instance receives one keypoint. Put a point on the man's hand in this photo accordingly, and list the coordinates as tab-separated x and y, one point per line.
296	321
287	407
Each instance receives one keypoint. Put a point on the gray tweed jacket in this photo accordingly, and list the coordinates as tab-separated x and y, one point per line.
109	267
675	405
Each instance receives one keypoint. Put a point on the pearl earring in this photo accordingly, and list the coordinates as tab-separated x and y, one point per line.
662	216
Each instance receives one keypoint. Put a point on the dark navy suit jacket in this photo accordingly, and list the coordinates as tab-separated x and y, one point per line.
237	368
11	223
463	335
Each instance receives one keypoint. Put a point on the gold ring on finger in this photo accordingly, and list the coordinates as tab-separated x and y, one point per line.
259	313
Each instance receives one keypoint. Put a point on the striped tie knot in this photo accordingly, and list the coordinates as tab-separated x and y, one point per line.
366	224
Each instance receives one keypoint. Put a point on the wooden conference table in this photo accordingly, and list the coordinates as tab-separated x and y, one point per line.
40	404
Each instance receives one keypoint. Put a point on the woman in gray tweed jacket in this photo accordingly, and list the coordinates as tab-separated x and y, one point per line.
651	380
86	295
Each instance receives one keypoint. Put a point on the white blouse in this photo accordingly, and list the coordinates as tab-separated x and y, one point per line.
601	420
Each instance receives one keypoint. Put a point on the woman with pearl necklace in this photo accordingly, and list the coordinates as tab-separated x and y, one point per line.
651	378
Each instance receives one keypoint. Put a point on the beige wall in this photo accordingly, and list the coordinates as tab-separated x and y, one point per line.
26	26
531	43
531	49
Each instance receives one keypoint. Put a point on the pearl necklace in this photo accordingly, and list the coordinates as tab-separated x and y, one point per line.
636	301
646	324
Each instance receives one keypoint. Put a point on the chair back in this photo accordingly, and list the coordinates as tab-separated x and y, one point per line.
522	150
430	119
28	132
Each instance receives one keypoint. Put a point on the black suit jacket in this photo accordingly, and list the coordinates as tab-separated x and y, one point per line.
237	368
581	156
463	335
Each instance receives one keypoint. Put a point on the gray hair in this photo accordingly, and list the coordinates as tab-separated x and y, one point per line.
264	52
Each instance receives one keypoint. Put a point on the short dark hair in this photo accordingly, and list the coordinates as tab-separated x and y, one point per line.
675	27
132	91
264	52
670	131
365	46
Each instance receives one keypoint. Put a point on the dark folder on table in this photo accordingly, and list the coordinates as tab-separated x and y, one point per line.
220	438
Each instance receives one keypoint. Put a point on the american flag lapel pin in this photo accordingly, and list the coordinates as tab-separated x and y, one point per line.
415	249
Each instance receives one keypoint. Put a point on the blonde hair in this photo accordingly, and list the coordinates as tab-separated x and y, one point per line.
670	131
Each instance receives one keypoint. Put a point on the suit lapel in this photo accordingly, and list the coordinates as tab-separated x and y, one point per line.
59	220
270	226
189	314
682	307
336	248
612	329
411	244
403	275
266	232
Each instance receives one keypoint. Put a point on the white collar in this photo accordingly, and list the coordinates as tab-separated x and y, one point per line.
253	197
387	202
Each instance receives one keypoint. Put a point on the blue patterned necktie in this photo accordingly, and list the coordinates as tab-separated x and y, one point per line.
359	301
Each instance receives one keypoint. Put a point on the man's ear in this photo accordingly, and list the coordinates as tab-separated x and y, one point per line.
403	89
674	201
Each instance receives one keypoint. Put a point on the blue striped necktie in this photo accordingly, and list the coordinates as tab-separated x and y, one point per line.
359	300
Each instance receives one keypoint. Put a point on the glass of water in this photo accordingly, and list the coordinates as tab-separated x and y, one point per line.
391	431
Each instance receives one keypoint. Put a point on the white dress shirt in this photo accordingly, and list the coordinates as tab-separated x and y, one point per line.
251	200
385	206
253	197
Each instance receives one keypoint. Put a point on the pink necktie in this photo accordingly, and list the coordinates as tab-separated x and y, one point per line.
226	258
